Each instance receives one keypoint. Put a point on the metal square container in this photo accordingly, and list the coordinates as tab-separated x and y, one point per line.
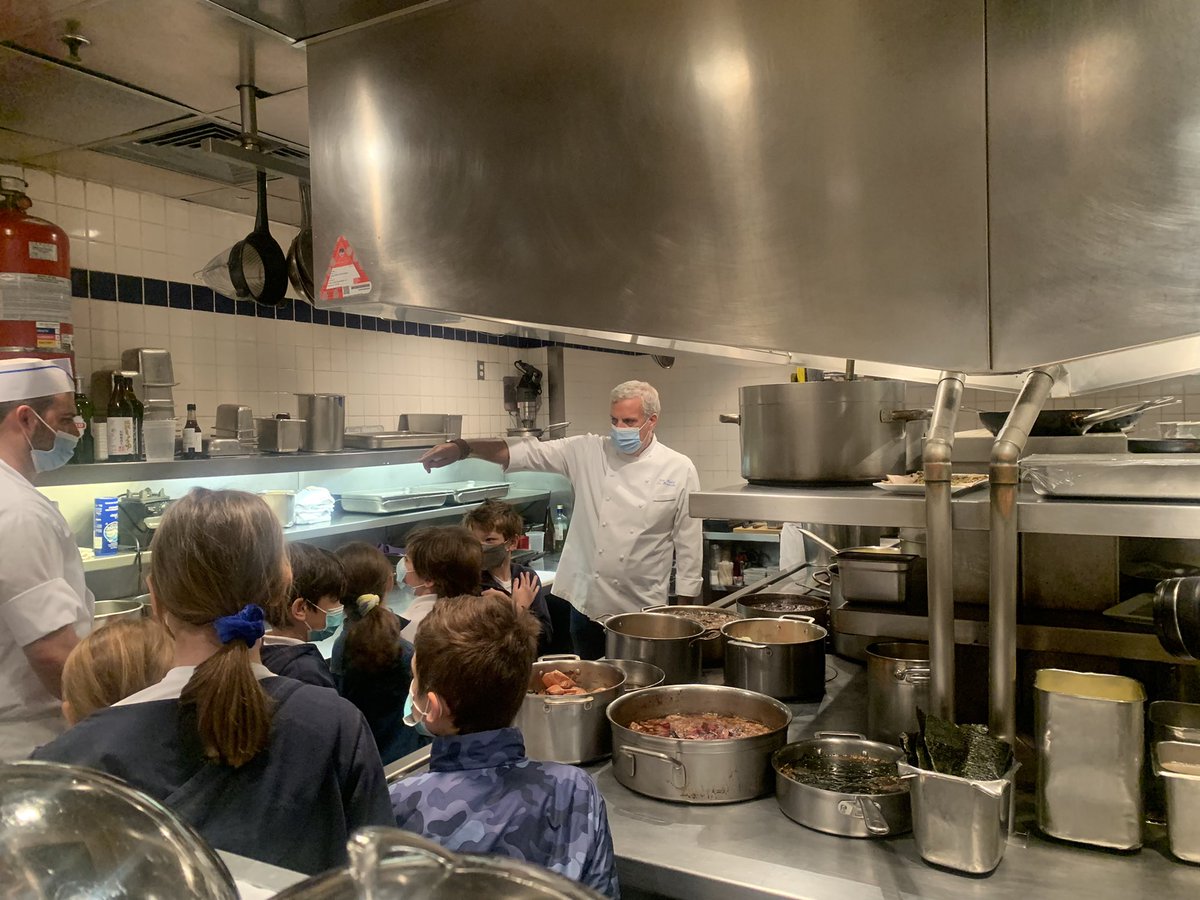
279	435
154	363
431	423
395	501
1175	721
961	823
1088	732
1179	765
234	420
874	576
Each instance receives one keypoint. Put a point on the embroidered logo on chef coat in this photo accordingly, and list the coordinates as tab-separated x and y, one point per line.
667	482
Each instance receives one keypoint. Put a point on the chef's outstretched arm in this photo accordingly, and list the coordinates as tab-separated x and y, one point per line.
48	654
492	450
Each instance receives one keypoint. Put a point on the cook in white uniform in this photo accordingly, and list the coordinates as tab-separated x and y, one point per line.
45	606
630	517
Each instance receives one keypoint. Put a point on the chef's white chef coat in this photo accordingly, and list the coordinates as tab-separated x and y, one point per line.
630	517
41	589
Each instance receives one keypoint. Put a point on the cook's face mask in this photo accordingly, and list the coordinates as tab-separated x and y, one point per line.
628	440
60	452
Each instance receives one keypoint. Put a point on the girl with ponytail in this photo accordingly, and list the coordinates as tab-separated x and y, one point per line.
241	754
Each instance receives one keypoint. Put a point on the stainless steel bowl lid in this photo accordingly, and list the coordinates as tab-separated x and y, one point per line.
390	864
67	831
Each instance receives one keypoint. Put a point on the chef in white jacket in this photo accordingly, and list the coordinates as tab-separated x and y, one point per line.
630	517
45	606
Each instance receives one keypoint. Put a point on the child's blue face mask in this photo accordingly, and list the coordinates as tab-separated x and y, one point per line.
414	717
333	621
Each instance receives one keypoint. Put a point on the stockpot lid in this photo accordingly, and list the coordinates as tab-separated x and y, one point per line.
67	831
391	864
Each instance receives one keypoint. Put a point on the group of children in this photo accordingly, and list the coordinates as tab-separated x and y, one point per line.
275	754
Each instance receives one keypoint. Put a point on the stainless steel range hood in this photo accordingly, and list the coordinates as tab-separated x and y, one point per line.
830	178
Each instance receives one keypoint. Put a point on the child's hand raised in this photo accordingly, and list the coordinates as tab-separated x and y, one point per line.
525	588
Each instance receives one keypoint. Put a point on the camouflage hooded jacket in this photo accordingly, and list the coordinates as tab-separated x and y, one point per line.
482	795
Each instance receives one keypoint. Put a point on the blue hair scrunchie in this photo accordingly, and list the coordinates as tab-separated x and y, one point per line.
248	625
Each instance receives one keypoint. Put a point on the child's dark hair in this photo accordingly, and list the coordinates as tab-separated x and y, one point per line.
497	516
316	573
373	642
448	556
476	653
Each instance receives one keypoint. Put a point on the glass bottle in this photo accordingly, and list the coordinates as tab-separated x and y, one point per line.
85	450
121	433
139	416
561	525
193	437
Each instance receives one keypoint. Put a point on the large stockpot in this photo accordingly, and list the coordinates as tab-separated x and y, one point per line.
670	642
638	674
570	729
823	808
897	683
822	431
325	418
712	652
692	771
782	658
778	606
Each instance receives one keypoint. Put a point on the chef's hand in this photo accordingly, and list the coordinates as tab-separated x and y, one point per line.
441	455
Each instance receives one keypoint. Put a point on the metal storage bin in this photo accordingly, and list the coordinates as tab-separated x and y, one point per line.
1088	731
961	823
1175	721
396	501
1179	765
874	576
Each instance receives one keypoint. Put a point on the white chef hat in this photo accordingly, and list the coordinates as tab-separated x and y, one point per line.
26	378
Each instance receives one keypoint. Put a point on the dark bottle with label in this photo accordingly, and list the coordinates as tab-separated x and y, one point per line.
193	437
139	416
85	450
122	434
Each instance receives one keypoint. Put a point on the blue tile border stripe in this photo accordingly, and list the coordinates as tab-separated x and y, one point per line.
109	286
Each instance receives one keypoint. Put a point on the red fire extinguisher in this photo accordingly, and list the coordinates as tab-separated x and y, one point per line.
35	279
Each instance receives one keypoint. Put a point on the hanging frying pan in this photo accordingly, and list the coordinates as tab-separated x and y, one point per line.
300	254
257	266
1055	422
1164	445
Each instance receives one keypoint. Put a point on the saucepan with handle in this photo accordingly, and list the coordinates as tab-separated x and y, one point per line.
1059	422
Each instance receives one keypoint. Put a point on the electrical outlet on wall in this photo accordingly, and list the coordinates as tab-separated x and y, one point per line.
480	371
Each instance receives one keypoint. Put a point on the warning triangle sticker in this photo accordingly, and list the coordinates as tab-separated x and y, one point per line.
345	276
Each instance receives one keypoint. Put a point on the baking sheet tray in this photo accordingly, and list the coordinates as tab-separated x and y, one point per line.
478	491
391	440
397	501
1126	476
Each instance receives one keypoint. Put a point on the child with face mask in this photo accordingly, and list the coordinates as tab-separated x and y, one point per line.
372	663
482	795
498	527
440	561
313	611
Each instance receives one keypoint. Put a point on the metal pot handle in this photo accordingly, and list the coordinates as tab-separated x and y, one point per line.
841	734
729	419
549	702
709	635
1129	409
873	816
912	674
678	770
560	657
600	620
368	847
796	617
748	645
905	415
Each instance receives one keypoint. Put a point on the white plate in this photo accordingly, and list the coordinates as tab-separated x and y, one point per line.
919	489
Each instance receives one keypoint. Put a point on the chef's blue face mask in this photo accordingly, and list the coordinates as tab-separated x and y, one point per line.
628	440
333	620
58	455
413	717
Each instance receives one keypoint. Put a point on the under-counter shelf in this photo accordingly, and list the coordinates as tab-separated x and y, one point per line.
866	505
341	524
737	537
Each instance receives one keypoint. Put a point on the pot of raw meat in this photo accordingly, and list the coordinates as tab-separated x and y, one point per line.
697	743
843	784
562	716
782	658
670	642
712	653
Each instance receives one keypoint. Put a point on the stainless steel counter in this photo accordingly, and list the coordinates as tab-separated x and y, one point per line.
751	850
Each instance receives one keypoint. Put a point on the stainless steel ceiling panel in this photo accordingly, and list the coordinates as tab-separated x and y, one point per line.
757	173
299	19
46	100
1094	150
19	147
188	50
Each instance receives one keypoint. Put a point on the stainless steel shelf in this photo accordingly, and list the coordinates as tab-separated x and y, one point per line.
737	537
866	505
1067	634
258	464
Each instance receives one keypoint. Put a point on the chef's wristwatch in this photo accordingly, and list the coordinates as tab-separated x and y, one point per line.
464	449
